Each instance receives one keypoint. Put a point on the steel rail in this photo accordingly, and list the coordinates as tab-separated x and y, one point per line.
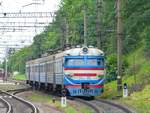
91	104
9	107
121	107
22	100
95	108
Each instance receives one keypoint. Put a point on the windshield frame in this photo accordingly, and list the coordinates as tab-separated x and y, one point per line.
85	61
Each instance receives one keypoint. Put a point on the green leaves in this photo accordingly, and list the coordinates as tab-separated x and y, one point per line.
135	15
146	35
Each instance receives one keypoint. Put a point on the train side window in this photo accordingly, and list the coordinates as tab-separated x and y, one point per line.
47	67
40	68
50	67
44	68
100	62
34	68
31	69
37	68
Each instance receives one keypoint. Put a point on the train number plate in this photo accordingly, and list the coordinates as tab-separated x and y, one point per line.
87	91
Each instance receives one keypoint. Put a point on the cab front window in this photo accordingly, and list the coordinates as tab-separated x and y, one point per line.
85	62
74	62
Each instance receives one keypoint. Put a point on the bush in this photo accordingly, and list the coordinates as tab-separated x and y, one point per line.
146	36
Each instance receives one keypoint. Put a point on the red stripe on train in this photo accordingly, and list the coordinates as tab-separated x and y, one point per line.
79	86
83	68
85	74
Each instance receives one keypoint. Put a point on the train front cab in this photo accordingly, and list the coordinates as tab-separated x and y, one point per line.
84	75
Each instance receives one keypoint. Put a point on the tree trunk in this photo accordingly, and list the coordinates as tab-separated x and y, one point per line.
98	24
119	46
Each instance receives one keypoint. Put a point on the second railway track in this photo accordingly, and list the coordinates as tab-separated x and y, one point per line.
107	106
18	105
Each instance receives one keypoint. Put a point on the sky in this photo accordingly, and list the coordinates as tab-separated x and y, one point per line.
21	38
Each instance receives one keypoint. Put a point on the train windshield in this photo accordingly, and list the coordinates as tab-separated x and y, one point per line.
84	62
75	62
95	62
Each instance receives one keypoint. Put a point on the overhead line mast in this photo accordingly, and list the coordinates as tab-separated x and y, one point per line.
98	23
119	47
85	23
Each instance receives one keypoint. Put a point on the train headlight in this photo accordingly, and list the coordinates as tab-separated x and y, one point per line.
85	50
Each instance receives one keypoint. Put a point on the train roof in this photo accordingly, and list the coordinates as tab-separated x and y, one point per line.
84	51
76	51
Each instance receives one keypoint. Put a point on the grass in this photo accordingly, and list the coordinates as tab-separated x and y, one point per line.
139	68
6	87
110	90
85	109
19	76
10	86
139	100
71	108
36	96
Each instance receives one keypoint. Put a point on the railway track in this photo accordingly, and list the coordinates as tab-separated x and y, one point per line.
88	103
5	107
122	108
95	109
98	106
107	106
18	105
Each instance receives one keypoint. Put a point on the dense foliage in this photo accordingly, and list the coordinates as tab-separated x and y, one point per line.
69	20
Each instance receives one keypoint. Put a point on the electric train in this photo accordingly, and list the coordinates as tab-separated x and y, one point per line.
80	71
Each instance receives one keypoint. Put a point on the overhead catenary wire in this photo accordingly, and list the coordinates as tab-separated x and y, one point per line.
27	14
23	22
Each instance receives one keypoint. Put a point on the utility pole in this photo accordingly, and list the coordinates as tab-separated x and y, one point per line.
67	31
5	69
62	28
98	23
119	47
5	78
85	23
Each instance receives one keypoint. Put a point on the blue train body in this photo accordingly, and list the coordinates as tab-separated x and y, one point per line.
80	71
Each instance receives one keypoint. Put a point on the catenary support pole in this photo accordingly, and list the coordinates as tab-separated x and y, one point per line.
85	23
119	46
